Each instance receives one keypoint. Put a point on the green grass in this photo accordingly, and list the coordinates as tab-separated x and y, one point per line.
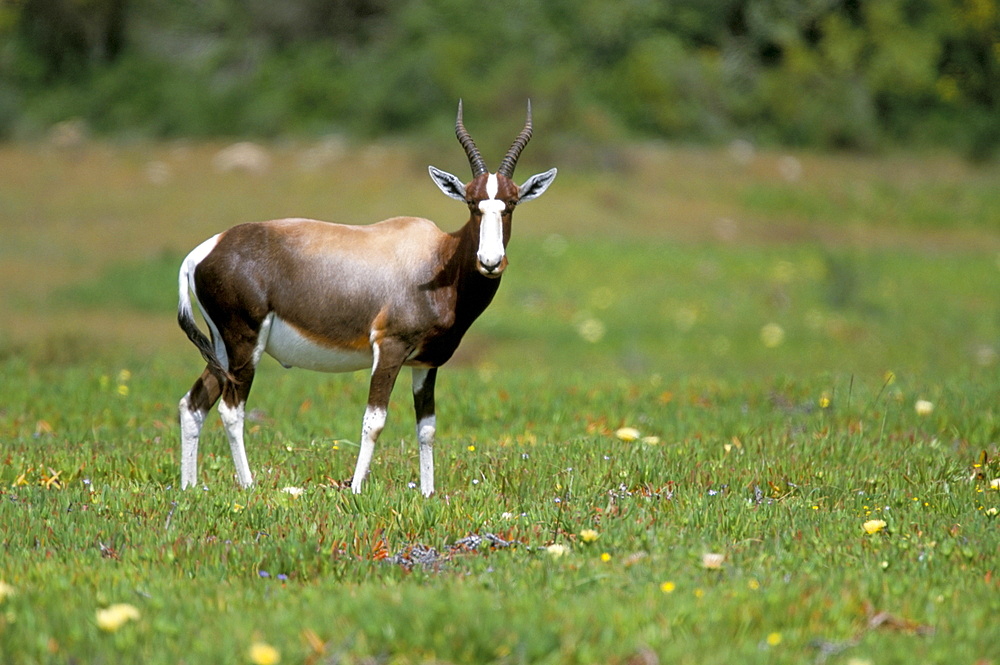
770	449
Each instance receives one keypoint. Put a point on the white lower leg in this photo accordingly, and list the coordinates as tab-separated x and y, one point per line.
232	420
425	435
370	429
191	422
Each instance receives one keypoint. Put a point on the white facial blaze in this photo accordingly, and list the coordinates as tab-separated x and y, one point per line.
492	186
491	250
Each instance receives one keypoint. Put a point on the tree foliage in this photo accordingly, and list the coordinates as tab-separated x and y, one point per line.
826	73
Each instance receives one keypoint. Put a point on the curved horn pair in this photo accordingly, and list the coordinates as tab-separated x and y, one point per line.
476	160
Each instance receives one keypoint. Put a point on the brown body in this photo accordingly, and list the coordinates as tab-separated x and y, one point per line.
331	297
344	287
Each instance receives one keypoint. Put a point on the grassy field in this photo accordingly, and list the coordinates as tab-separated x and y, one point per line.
806	347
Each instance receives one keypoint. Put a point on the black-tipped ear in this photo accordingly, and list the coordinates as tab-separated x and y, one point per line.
448	183
536	185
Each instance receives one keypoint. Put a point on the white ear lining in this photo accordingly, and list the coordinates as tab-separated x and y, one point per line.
536	185
448	183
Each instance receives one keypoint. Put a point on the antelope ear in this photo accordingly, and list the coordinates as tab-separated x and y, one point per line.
448	183
536	185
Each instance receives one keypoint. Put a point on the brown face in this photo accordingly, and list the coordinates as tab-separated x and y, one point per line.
491	199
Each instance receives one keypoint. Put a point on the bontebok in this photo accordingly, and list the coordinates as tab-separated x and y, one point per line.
337	298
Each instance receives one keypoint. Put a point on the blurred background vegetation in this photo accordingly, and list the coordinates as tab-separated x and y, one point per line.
827	74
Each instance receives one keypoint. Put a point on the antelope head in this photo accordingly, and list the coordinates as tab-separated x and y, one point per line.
491	197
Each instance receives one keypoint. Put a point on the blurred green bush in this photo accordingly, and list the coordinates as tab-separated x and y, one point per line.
819	73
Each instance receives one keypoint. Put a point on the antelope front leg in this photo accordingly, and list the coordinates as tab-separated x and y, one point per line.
423	405
388	359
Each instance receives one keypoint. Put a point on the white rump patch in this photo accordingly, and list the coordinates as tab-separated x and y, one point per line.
191	262
293	349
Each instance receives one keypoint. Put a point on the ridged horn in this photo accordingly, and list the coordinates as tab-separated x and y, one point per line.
510	161
475	159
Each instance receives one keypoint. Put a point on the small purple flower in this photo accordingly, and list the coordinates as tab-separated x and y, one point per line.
264	573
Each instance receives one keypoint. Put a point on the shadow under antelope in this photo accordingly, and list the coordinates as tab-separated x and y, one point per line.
337	298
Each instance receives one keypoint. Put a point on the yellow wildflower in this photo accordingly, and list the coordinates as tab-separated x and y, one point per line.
605	557
774	639
628	434
6	591
873	526
668	587
995	484
115	616
589	535
262	653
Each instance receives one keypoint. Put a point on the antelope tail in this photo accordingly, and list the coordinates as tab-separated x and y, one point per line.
187	322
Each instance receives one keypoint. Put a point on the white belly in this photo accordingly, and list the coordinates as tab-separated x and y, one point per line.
290	348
